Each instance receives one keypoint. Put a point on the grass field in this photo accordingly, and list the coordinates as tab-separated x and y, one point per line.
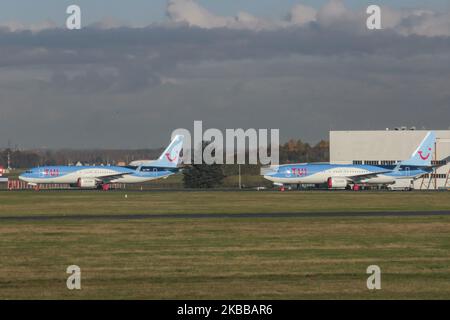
93	202
276	258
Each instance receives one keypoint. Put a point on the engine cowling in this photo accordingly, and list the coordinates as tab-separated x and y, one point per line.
86	183
337	183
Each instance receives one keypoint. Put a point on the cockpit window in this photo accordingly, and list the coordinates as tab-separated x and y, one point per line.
28	171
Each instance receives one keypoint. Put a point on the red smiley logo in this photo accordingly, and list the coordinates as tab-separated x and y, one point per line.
424	157
169	158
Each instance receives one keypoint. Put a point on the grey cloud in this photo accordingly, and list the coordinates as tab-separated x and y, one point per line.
333	13
130	87
159	48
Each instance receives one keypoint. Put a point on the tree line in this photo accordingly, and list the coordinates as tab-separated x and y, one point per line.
21	159
290	152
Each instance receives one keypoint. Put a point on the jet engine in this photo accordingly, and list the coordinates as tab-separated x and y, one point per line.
337	183
86	183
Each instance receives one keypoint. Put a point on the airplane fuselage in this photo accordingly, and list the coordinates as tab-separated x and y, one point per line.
73	174
321	173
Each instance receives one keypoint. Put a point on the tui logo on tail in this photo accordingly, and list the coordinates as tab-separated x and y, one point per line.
171	159
423	154
424	157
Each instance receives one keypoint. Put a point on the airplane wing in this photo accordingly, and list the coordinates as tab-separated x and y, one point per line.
360	177
108	179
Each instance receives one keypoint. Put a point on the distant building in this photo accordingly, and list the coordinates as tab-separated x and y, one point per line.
386	147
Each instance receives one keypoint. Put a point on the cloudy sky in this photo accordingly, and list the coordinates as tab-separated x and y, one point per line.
139	69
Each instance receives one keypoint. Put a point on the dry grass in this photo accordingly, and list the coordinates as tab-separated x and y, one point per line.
217	258
75	202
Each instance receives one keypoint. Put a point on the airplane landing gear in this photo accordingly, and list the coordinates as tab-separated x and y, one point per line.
104	187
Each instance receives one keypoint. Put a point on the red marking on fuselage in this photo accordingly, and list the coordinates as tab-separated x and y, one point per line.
300	172
51	172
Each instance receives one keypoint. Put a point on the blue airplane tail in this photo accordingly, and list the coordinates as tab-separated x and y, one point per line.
424	153
171	156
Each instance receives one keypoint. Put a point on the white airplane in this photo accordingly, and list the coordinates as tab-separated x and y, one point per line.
102	176
340	176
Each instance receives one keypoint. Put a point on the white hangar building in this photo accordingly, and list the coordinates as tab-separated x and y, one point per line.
386	147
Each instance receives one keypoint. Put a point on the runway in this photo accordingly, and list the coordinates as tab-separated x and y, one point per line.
226	215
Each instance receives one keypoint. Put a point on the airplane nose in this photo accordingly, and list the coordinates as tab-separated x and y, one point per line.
269	177
269	171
